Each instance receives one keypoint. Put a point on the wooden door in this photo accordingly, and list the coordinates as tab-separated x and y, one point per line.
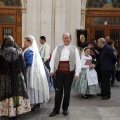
11	24
114	33
98	32
6	30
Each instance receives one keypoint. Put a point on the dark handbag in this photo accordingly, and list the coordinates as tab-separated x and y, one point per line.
118	74
47	64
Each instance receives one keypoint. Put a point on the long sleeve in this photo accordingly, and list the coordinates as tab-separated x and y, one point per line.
83	64
47	52
28	57
83	61
78	63
52	61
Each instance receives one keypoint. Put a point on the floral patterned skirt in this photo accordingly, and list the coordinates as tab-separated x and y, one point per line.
13	95
81	85
8	107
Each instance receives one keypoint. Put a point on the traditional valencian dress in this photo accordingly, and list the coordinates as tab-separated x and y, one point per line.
37	84
87	82
13	93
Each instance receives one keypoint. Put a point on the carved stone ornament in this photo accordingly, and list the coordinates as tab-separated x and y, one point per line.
2	3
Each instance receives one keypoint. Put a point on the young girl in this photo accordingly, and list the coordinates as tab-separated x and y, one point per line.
87	83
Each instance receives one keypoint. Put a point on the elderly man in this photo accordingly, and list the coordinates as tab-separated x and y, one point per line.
107	62
65	66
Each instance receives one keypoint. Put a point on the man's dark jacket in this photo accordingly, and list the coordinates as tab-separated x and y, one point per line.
107	58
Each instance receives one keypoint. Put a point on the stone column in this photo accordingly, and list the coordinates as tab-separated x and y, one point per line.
39	19
53	25
33	18
74	19
46	20
60	20
83	12
23	20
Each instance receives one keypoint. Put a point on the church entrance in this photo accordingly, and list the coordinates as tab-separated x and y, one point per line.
11	20
102	19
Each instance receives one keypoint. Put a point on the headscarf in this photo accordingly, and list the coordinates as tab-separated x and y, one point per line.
8	38
9	49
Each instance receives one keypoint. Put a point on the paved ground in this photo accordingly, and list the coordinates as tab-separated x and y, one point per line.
81	109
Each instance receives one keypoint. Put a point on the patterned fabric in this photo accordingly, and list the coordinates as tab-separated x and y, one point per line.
10	54
13	93
7	107
36	96
81	85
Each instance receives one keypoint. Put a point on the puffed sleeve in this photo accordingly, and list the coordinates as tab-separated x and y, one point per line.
28	57
83	63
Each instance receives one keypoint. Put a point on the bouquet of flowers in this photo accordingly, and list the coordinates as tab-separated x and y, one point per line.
94	61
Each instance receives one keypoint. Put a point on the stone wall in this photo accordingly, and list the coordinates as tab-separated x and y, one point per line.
51	18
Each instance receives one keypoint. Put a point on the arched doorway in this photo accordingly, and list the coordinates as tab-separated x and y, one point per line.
103	18
11	20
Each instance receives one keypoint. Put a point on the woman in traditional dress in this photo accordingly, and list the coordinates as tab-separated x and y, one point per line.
13	93
37	85
87	83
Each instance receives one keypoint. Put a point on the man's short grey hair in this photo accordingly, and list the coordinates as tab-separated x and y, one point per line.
67	34
102	40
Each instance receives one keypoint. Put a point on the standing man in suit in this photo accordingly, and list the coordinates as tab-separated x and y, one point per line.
65	65
107	63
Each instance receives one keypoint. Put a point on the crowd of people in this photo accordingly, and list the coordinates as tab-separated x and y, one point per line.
27	75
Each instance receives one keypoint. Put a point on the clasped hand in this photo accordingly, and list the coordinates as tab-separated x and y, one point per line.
91	66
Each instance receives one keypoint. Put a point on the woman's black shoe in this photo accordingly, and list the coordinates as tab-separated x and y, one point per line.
32	109
89	95
85	96
37	105
12	118
99	94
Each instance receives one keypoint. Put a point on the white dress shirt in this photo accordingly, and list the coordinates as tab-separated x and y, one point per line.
45	51
65	57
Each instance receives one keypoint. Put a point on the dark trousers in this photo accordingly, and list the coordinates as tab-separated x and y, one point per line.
63	82
47	64
113	76
105	83
97	68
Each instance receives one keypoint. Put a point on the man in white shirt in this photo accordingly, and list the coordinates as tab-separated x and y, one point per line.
45	51
65	65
